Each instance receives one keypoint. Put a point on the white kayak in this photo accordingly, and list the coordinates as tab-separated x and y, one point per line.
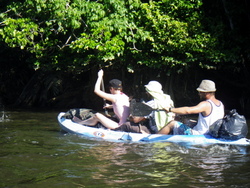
69	126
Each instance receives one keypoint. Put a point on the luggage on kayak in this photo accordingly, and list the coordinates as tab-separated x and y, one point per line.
232	127
81	113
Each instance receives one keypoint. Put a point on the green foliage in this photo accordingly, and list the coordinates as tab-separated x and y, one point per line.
20	33
111	30
179	38
74	33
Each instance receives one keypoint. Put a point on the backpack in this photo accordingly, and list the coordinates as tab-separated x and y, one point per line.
232	127
81	113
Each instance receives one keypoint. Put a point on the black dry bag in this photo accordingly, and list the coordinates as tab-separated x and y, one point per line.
232	127
215	127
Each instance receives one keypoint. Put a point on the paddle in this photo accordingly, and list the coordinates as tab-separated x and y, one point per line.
141	109
104	100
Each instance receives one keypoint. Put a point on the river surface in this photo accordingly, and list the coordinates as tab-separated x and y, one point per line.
35	153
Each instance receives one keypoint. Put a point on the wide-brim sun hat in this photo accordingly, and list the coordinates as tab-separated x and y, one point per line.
154	86
206	86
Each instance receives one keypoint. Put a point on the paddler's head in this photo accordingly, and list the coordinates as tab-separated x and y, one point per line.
153	87
115	84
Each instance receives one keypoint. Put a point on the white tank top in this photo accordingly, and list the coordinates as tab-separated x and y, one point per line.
121	107
202	127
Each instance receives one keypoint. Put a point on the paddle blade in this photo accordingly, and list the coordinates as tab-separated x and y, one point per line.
139	109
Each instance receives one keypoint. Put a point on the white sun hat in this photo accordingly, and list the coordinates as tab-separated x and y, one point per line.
154	86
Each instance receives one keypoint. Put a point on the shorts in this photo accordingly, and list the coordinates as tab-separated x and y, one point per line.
182	129
133	128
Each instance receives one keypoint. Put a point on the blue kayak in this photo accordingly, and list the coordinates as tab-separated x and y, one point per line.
69	126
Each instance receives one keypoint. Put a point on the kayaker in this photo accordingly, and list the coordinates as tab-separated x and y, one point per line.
160	100
209	110
119	100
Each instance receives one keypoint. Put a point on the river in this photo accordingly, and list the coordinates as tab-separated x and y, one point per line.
35	153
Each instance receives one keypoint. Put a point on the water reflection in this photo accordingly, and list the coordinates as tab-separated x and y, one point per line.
114	163
167	166
157	164
211	165
34	153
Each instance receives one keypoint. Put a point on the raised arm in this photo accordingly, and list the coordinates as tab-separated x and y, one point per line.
101	93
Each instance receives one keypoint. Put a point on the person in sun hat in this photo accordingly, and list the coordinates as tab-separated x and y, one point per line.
138	124
209	110
120	104
160	100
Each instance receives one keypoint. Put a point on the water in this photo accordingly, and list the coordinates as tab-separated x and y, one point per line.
34	153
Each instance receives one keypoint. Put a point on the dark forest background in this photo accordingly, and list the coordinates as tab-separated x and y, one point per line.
51	51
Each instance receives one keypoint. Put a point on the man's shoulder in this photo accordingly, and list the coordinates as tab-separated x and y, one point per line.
120	95
215	101
206	102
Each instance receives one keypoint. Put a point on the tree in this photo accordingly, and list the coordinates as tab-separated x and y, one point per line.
160	38
228	21
157	33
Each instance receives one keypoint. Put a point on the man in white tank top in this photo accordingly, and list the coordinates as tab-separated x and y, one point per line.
209	110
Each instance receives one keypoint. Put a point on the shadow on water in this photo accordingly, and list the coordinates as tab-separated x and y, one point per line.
35	153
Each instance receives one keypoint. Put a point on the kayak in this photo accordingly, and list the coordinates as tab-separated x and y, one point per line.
69	126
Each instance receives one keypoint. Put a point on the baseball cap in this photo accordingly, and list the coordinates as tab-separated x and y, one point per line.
115	83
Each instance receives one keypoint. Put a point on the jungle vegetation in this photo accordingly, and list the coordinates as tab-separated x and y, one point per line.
51	50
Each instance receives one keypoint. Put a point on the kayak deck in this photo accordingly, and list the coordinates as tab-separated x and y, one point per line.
71	127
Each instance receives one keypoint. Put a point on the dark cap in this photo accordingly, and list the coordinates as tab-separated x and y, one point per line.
115	83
